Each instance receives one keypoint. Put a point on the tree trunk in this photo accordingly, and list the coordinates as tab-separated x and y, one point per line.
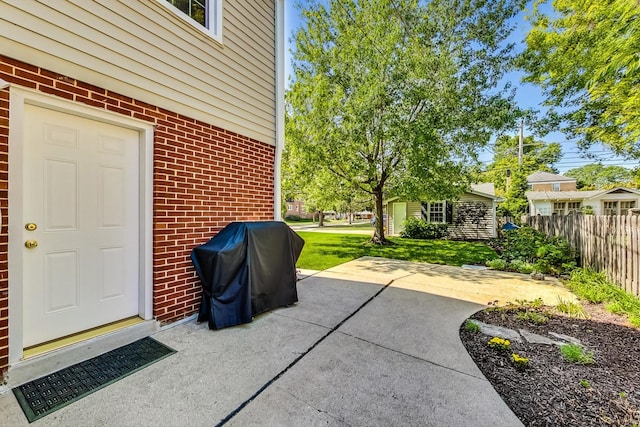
378	234
320	219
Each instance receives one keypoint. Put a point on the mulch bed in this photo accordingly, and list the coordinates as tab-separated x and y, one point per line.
552	391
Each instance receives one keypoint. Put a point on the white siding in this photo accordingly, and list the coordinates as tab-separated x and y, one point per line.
465	231
468	231
143	50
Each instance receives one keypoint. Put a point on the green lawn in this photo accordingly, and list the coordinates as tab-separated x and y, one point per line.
325	250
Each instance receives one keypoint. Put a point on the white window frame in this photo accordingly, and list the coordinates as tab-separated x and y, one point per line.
555	186
214	18
559	208
629	204
574	207
613	209
428	212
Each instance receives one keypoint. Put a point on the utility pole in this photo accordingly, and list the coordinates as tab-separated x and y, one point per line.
521	142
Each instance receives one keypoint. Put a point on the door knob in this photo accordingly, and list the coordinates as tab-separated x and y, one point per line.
30	226
30	244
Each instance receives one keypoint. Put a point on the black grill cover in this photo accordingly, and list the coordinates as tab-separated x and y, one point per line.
246	269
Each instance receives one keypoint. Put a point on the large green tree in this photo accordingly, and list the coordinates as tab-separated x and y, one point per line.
584	54
395	96
597	176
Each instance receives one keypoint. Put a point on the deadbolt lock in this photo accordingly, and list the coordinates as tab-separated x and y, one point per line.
30	226
30	244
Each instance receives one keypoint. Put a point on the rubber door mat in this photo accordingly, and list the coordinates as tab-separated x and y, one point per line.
54	391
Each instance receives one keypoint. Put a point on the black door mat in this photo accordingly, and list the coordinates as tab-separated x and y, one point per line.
52	392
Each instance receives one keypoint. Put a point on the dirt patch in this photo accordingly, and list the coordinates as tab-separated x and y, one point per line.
553	391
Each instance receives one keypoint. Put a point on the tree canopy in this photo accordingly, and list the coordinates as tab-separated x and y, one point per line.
537	156
585	56
596	176
395	97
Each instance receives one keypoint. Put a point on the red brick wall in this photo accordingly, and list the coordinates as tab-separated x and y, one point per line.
204	178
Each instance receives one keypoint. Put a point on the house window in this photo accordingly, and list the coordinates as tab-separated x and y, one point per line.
297	208
610	208
625	206
555	186
529	186
289	207
436	212
573	207
559	208
203	14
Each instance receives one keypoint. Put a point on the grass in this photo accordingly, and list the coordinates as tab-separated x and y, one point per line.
595	288
471	326
325	250
571	309
575	354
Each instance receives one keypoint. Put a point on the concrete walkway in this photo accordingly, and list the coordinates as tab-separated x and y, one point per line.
371	342
336	229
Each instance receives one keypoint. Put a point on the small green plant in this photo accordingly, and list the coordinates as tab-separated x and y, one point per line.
520	362
471	326
499	344
497	264
585	383
521	266
623	394
536	303
532	317
574	353
571	309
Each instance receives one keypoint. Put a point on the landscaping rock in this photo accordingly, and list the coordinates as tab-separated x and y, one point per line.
530	337
566	338
498	331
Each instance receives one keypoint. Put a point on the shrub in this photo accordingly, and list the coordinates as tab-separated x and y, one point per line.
555	256
416	228
497	264
292	218
526	250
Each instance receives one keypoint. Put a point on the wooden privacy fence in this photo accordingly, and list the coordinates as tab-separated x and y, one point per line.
605	243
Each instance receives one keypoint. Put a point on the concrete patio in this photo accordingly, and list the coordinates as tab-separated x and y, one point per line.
370	342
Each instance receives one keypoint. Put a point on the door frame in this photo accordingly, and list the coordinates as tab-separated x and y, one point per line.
18	97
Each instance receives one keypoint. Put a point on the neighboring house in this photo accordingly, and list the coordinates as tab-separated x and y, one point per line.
546	181
445	212
136	133
616	201
297	208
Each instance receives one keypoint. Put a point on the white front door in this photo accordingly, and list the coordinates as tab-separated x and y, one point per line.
81	193
399	215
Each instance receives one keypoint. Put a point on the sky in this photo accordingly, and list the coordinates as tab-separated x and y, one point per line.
528	96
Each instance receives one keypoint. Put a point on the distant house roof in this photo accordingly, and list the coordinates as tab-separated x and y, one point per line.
485	188
576	195
542	177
